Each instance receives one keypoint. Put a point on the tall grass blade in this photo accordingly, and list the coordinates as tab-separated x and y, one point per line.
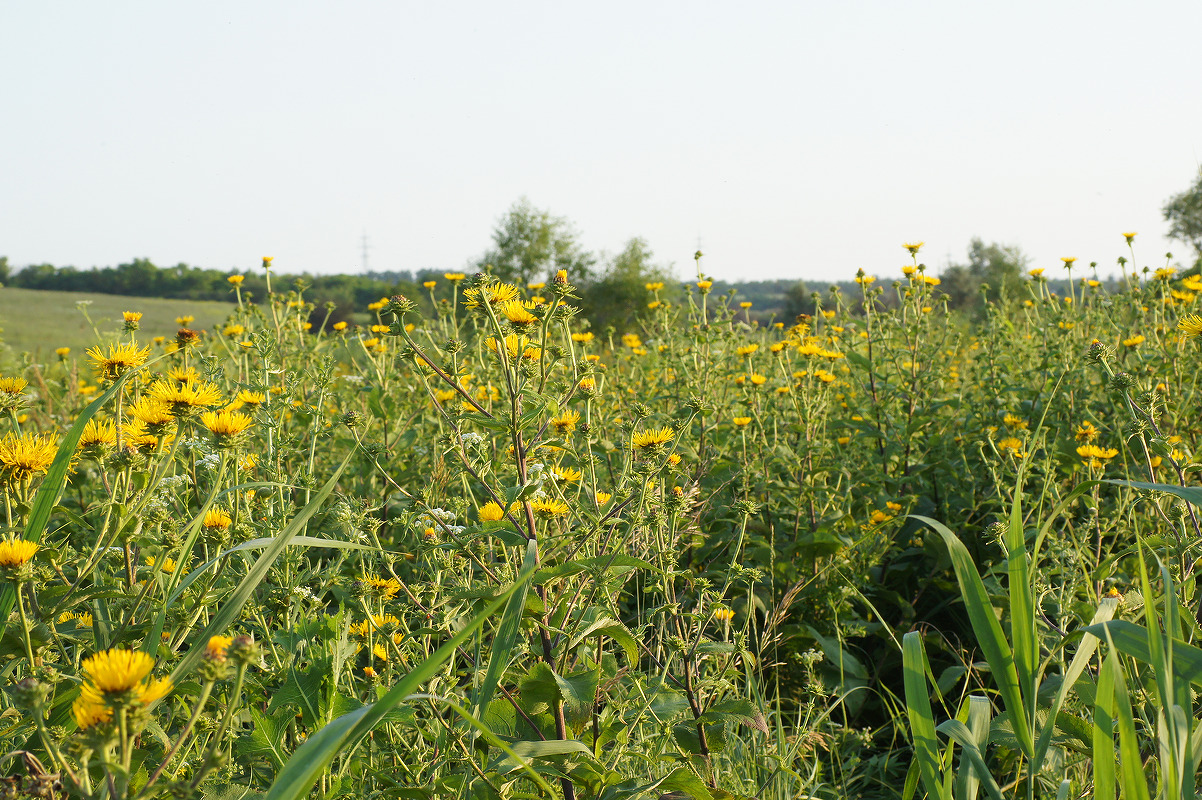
988	630
1133	782
507	634
1085	650
1103	736
922	721
970	752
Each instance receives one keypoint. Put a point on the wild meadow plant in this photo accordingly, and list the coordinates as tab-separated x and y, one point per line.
471	547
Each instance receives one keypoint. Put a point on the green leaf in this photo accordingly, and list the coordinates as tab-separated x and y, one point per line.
1191	494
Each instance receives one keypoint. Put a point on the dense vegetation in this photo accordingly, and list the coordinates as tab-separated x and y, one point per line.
477	547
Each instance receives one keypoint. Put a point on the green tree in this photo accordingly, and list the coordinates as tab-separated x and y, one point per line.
798	300
530	244
998	266
1183	212
620	295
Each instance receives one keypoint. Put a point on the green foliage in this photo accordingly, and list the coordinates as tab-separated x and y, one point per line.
998	267
618	297
530	244
1183	212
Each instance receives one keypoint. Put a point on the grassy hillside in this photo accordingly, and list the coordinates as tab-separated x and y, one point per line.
40	321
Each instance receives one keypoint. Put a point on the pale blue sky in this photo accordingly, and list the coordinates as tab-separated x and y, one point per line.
797	139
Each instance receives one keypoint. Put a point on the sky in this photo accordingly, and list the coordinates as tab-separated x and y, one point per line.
791	139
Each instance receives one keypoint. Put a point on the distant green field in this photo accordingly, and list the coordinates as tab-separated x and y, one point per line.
41	321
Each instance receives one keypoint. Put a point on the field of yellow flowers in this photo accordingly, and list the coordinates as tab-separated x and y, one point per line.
490	552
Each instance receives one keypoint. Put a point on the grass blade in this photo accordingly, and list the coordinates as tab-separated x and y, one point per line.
988	630
1103	737
507	634
922	721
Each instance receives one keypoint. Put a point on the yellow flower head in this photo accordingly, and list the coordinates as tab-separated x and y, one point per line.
236	280
1095	456
429	284
217	518
653	437
168	564
154	414
386	588
491	512
1014	422
567	474
742	421
98	433
747	349
117	670
185	398
1011	445
517	313
494	294
1130	237
119	359
131	316
15	552
1086	432
583	338
1068	261
913	247
602	498
454	277
27	455
705	286
226	424
217	647
88	712
12	386
340	326
745	304
548	507
1191	325
1035	273
565	421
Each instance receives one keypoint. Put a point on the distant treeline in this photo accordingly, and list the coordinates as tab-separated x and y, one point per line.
348	293
990	271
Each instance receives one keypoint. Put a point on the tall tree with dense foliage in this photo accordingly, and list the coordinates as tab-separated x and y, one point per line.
999	267
1183	212
530	244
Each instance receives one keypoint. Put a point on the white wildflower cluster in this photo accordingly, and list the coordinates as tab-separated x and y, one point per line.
439	519
537	474
472	439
